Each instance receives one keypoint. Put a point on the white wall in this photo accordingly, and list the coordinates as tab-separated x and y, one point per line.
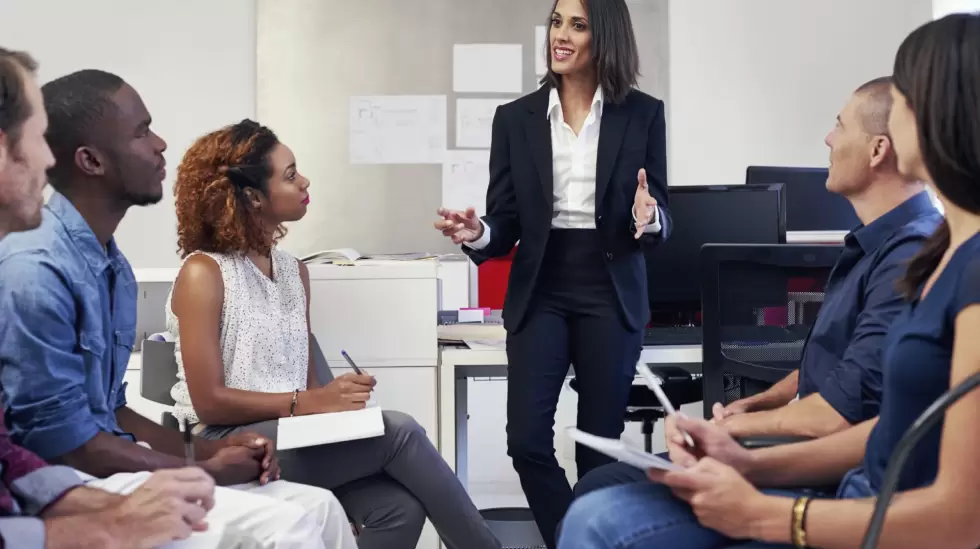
760	82
192	61
941	8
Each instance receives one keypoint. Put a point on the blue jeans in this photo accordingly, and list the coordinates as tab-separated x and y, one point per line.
644	515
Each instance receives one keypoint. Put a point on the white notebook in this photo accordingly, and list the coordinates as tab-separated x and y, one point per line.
621	451
317	429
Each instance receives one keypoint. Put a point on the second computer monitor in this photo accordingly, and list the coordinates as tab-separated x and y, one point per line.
703	215
809	205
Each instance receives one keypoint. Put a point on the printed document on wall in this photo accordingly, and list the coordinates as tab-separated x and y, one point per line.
494	68
398	129
474	120
465	177
541	52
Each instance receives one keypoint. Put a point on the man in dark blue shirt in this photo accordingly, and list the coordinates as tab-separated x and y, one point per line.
838	383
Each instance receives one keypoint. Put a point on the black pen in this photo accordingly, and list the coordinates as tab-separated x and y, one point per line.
188	443
351	362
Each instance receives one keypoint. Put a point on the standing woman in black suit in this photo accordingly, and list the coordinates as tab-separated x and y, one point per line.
578	175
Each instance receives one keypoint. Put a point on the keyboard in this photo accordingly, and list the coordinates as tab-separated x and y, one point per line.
672	335
745	335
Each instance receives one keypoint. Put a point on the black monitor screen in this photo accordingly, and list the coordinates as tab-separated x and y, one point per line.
723	214
809	205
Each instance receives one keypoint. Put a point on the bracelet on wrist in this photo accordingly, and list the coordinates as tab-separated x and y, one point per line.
292	405
798	523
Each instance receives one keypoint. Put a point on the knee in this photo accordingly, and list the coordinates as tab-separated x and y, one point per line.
318	502
402	425
613	474
524	446
583	524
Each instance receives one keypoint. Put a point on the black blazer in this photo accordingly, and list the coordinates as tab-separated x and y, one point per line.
632	135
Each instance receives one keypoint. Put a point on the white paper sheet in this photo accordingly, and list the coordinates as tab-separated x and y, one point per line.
318	429
465	177
540	50
621	451
495	68
474	120
398	129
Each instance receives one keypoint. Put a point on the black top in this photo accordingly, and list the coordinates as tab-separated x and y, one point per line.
632	135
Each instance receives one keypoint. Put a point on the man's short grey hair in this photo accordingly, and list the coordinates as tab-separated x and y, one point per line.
876	106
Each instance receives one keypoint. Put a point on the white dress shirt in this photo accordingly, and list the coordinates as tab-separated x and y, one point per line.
573	162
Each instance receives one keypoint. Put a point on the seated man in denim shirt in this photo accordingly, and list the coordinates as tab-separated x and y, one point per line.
68	319
46	506
839	380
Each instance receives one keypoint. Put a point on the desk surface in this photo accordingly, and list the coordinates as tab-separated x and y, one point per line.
661	354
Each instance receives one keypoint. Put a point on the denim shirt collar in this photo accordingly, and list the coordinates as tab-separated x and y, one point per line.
88	246
869	237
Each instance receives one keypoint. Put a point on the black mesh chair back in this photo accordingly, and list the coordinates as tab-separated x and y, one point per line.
758	303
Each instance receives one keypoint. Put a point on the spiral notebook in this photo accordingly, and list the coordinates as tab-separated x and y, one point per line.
330	428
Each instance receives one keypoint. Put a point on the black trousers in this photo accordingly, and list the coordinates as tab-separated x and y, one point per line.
574	319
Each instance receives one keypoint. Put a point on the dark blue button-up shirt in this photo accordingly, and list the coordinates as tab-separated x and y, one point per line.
843	356
67	328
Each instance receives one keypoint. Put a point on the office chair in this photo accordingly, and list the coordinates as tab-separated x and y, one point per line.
680	386
906	444
159	374
759	302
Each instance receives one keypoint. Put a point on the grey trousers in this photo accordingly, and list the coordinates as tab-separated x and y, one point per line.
388	485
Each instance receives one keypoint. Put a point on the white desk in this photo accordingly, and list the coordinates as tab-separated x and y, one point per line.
458	364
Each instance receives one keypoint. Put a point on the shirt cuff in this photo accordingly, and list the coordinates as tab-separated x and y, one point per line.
481	242
62	435
22	532
654	226
44	486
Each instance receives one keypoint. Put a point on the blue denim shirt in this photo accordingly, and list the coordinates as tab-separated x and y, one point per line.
843	356
67	328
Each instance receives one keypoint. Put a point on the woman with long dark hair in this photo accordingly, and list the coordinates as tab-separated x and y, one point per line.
578	175
933	345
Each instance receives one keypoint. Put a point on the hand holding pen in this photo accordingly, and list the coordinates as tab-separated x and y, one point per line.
346	392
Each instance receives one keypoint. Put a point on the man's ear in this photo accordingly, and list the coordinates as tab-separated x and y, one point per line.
4	150
89	161
881	149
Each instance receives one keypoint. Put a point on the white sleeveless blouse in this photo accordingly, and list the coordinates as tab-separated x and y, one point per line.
264	334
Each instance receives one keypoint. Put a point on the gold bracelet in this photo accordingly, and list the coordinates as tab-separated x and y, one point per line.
292	405
798	528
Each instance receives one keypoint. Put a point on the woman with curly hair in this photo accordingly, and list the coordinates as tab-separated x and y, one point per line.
239	312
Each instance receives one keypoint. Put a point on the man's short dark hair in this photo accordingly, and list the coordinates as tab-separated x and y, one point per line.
76	105
877	105
614	51
15	67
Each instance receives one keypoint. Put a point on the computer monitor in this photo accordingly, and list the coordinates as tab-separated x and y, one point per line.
809	205
738	214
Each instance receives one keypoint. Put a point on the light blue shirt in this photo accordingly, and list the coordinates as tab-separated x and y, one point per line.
67	329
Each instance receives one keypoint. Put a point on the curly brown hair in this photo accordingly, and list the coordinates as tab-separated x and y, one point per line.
214	212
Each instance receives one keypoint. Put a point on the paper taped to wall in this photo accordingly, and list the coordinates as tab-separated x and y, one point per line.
481	68
474	120
398	129
541	50
465	178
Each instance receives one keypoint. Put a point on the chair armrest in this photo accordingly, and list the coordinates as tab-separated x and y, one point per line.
769	441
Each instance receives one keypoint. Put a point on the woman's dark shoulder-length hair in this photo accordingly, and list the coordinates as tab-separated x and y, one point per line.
614	51
937	69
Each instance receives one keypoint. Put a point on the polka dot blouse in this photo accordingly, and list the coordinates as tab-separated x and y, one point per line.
264	335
